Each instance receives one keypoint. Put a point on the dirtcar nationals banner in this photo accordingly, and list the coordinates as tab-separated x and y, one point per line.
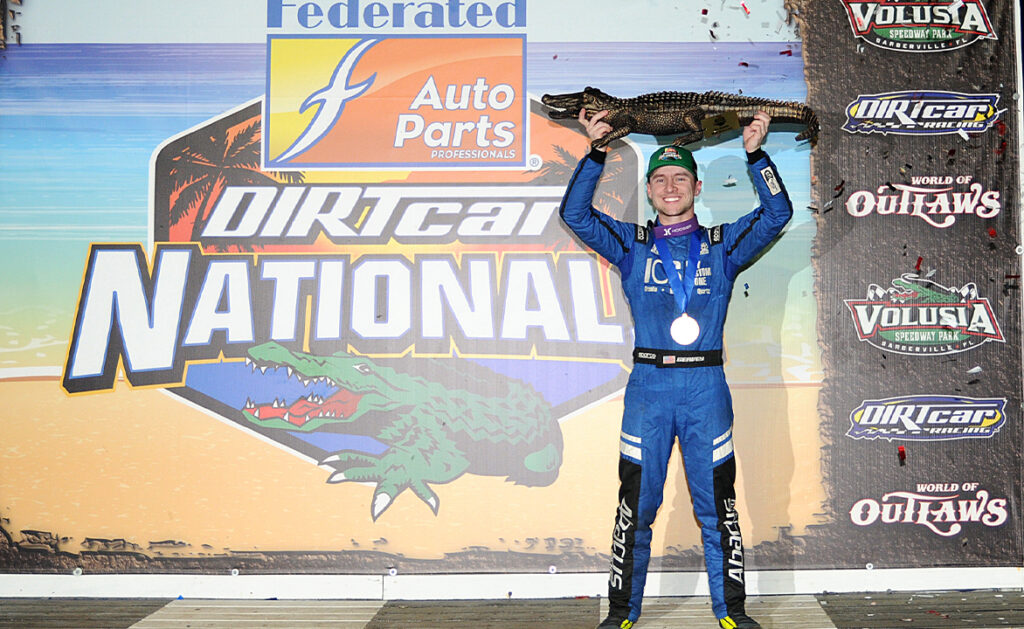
297	297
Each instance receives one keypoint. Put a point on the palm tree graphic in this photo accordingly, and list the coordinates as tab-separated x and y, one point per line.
210	162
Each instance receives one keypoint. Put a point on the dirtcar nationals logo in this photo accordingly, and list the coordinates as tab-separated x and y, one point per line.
922	113
911	26
927	417
938	201
917	316
402	330
942	508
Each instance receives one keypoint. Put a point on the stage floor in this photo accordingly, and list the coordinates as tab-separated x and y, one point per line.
978	608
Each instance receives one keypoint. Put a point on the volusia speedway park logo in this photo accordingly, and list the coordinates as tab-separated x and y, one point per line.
917	316
397	329
922	113
927	417
915	26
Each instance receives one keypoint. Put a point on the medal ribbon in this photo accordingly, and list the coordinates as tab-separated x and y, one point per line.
681	288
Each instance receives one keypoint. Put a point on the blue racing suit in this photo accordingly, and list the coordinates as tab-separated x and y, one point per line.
676	391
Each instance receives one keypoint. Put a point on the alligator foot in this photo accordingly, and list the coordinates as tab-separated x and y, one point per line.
608	138
395	471
689	138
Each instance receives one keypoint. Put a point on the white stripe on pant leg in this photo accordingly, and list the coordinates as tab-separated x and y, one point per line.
722	451
630	450
628	437
722	437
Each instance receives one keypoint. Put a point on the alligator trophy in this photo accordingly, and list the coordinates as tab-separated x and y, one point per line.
683	114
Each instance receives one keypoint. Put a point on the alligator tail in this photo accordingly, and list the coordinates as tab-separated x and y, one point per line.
809	118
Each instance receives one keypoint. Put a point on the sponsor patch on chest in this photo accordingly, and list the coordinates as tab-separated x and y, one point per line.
656	280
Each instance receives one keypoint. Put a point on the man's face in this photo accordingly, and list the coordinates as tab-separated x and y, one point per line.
671	190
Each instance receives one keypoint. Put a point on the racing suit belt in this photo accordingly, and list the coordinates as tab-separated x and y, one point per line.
666	358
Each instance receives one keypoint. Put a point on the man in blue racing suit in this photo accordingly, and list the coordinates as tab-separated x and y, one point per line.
677	388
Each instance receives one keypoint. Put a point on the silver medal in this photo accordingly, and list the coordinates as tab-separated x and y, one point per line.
684	329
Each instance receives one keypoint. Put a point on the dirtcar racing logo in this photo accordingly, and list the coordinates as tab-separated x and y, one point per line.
917	316
919	26
942	508
935	200
922	113
927	417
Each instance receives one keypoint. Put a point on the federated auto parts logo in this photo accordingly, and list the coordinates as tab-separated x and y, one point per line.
922	113
397	329
344	101
917	316
943	508
916	26
927	417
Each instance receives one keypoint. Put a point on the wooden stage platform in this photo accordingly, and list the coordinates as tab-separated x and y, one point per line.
978	609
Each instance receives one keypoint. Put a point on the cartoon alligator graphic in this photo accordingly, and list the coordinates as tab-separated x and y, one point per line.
674	113
433	434
914	288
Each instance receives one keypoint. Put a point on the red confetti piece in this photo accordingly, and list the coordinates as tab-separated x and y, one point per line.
903	453
1001	127
917	267
991	232
744	5
744	64
1002	148
703	11
788	53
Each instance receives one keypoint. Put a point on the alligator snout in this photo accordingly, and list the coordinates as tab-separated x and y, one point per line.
563	105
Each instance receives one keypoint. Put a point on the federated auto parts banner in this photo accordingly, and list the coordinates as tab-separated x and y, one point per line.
297	298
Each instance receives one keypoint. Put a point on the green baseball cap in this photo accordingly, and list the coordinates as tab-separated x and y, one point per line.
672	155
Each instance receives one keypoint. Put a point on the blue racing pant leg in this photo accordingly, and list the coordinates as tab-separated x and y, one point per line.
706	438
645	446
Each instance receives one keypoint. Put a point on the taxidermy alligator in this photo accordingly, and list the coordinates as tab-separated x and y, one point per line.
674	113
433	433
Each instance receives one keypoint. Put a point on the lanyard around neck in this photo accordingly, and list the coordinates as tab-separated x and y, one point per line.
681	288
